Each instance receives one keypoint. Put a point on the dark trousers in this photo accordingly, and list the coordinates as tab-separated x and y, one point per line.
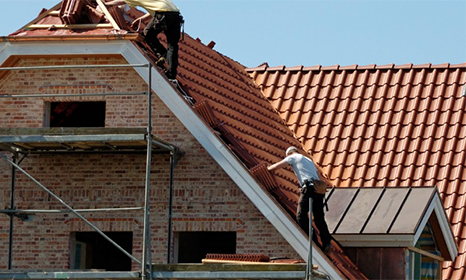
317	211
170	24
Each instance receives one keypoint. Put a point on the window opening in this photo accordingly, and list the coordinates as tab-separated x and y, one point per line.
421	266
76	114
89	250
192	247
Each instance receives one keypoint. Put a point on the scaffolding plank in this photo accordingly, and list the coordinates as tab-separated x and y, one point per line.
62	139
71	130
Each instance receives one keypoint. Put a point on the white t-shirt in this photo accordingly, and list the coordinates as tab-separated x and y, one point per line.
303	167
153	6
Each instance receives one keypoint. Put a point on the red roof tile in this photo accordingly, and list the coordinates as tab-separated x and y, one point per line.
384	125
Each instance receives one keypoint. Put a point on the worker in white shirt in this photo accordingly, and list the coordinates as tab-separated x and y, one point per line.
311	186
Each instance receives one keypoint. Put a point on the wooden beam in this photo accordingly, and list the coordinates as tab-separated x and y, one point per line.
70	26
51	11
425	253
108	15
212	261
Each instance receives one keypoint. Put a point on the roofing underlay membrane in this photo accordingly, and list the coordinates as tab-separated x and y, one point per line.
363	125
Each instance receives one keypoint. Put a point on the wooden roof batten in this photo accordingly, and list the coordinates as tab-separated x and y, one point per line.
55	11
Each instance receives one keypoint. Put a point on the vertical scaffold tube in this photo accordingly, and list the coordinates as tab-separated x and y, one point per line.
146	252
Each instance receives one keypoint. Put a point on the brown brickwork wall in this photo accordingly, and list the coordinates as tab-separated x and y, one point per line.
205	198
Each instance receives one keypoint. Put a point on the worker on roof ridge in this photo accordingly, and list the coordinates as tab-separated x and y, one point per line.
166	17
313	186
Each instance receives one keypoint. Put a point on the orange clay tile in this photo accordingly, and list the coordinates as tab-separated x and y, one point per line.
389	125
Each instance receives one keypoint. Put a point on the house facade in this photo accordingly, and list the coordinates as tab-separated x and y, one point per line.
205	198
203	189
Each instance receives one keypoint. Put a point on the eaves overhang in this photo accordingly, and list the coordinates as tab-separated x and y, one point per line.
191	120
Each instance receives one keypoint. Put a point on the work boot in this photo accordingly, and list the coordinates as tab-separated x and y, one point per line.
327	247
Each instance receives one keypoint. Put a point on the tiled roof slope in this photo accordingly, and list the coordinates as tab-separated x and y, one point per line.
236	106
391	125
236	110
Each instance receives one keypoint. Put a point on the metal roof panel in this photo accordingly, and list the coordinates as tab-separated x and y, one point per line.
412	210
385	211
338	201
359	211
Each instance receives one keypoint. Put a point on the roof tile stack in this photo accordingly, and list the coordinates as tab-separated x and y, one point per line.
70	11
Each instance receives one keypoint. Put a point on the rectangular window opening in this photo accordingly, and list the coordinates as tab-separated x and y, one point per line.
75	114
90	250
192	247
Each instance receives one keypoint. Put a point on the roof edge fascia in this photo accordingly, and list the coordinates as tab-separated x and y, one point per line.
375	240
436	208
213	145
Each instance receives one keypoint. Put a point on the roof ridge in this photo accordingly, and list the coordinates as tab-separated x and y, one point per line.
266	67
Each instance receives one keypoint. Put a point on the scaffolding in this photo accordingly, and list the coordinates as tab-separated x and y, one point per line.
20	142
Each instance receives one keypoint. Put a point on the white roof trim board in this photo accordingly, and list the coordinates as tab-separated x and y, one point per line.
214	146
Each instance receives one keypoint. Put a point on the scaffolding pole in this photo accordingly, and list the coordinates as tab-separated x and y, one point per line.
12	207
146	252
170	207
34	211
309	275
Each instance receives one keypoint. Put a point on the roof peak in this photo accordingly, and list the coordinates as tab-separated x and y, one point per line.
266	67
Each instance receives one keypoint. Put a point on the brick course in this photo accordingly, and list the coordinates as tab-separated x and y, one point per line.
205	198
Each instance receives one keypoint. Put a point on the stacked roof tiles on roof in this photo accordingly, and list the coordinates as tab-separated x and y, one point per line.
381	126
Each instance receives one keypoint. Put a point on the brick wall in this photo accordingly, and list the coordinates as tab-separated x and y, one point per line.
205	198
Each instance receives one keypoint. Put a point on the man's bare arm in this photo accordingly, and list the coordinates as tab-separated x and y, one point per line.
278	165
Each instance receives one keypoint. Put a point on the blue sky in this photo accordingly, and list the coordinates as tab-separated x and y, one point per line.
310	32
